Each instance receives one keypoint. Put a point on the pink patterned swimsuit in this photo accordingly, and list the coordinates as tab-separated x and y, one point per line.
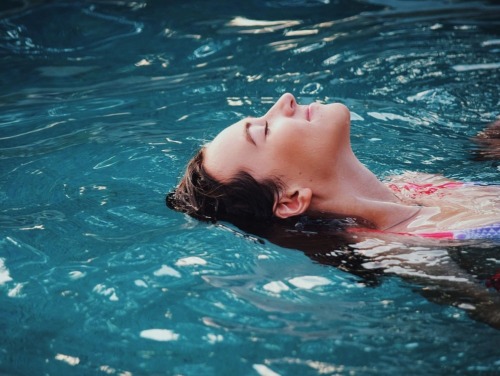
414	190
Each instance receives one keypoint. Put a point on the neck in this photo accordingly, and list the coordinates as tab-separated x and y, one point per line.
353	190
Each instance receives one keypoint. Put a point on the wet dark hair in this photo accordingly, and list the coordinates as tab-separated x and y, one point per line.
248	204
203	197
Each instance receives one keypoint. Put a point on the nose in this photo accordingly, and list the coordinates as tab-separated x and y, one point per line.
285	106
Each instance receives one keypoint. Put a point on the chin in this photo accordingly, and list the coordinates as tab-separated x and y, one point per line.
340	114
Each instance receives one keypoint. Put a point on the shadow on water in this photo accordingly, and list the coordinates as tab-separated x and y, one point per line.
462	274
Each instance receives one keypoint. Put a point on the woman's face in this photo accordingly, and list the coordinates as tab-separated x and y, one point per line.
296	143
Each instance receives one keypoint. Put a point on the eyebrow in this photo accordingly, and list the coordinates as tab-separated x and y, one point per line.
247	133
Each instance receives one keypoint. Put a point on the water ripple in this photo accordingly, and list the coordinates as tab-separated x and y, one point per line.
58	28
101	107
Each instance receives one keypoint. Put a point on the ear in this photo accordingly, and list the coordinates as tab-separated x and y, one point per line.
293	203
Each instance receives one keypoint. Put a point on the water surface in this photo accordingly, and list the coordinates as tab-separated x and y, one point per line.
103	102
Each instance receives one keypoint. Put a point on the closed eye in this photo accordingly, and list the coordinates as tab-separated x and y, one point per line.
248	136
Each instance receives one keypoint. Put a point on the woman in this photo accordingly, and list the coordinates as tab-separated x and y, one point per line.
297	160
291	177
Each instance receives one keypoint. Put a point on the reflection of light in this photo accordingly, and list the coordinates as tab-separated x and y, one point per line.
260	26
4	273
491	42
161	335
142	63
238	101
36	227
71	360
309	48
295	33
470	67
253	78
283	45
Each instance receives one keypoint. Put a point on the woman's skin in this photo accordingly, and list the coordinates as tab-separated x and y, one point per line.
308	148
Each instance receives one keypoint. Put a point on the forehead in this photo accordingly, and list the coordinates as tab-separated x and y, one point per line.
222	156
225	138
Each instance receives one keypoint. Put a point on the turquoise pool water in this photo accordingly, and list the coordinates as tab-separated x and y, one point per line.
103	102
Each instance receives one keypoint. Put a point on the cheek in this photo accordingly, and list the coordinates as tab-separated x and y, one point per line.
295	158
314	155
